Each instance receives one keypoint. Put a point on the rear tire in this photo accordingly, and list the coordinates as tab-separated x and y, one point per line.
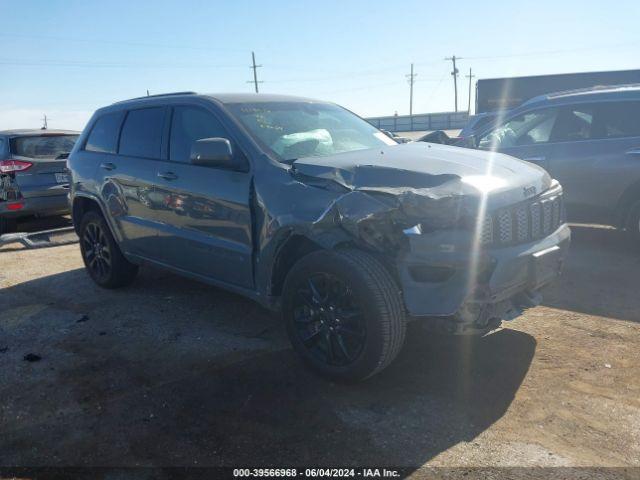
344	314
101	255
7	225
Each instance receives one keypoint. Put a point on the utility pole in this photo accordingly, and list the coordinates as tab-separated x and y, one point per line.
44	122
454	73
147	92
411	78
254	67
470	76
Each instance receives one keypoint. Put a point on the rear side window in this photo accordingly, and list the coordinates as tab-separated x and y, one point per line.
189	124
142	133
45	146
619	119
104	134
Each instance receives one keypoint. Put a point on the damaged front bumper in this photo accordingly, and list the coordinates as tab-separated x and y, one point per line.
461	289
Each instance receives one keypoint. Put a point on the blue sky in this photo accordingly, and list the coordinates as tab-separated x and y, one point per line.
67	58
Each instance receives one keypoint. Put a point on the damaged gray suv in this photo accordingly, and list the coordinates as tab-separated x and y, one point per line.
309	210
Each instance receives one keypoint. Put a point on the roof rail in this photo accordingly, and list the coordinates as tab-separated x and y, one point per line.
595	88
155	96
577	91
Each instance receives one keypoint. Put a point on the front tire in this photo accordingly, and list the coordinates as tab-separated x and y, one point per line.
101	255
344	314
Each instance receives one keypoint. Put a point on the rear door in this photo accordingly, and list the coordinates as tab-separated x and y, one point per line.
47	153
206	226
126	173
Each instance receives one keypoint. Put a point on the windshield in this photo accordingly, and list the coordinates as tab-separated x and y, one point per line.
292	130
45	146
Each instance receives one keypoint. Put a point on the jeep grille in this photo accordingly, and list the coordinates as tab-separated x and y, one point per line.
525	222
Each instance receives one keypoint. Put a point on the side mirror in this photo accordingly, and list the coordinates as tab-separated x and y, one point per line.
467	142
388	134
212	152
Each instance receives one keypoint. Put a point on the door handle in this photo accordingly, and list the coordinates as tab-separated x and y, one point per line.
167	175
108	166
634	151
535	159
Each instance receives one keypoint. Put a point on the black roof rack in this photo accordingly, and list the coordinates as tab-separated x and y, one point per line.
155	96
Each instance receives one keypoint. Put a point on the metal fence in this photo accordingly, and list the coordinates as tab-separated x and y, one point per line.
421	122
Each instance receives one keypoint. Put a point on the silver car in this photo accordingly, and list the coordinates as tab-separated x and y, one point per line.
589	140
33	176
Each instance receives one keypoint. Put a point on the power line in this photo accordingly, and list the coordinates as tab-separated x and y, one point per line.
454	73
437	87
255	72
553	52
118	42
341	75
89	64
368	87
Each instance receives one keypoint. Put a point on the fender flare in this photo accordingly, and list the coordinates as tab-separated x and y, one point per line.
94	198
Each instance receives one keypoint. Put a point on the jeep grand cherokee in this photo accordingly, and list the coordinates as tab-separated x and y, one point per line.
308	209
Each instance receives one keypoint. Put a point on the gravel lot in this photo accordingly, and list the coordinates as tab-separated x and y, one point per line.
169	372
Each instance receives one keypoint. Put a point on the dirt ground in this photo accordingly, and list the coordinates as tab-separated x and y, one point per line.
170	372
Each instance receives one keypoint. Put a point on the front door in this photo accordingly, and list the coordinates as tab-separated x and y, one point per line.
205	227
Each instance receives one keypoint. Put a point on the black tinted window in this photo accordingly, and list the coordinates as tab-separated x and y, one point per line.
142	133
188	125
619	119
104	134
45	146
575	123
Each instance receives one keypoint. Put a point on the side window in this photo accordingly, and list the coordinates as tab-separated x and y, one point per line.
574	123
526	129
619	119
189	124
142	133
104	134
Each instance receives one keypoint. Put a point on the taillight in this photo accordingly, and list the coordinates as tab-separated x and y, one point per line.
9	166
15	206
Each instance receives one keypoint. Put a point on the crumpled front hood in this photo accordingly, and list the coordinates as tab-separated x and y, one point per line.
436	170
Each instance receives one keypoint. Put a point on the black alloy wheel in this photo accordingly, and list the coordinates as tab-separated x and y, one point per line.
328	320
344	313
96	251
101	254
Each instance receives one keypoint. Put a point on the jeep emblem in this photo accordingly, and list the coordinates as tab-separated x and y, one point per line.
529	191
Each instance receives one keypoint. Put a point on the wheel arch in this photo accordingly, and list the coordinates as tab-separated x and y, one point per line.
298	245
293	249
84	203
